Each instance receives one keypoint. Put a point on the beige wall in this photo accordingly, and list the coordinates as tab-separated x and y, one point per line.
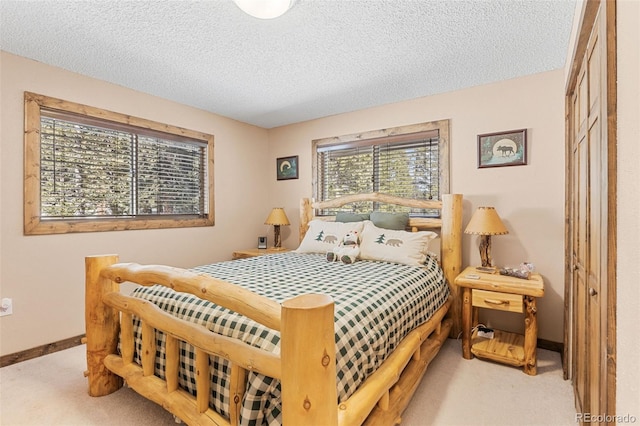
628	272
530	199
44	274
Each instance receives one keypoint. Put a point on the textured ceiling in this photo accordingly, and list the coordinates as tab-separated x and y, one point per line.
323	57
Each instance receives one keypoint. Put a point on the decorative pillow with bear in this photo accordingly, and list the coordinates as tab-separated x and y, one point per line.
387	245
323	236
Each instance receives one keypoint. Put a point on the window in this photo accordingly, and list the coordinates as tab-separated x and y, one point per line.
93	170
410	161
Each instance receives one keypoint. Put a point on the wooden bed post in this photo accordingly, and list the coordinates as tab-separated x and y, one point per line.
309	389
451	241
306	214
102	326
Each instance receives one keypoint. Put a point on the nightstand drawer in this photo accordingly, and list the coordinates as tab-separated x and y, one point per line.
498	301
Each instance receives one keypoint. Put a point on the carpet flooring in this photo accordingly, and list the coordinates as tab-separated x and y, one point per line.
51	390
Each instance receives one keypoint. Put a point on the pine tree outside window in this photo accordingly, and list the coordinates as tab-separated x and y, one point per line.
89	170
409	161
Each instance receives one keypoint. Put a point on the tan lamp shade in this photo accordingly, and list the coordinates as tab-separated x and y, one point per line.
485	222
277	218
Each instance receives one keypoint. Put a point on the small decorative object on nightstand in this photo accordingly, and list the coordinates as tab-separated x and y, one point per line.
277	218
503	293
485	222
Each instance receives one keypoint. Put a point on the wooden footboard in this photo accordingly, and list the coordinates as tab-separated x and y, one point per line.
305	324
309	392
306	365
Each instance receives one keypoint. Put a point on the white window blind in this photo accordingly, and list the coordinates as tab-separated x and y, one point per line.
95	168
405	166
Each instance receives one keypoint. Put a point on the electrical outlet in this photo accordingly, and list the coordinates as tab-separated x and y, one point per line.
6	308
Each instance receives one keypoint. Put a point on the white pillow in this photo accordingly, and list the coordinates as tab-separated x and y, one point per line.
387	245
323	236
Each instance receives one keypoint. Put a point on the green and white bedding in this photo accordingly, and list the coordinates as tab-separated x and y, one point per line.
376	305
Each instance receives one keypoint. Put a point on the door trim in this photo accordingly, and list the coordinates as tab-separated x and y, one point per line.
588	17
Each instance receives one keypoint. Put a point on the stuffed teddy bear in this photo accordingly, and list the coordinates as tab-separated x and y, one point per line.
347	251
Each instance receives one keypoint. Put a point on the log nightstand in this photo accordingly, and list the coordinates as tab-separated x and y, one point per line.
243	254
503	293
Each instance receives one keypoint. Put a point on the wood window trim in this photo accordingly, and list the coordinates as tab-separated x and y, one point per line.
34	225
441	126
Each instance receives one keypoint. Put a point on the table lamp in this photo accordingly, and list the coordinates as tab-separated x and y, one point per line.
277	218
485	222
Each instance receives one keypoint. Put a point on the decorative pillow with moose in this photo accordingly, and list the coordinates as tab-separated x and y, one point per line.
387	245
323	236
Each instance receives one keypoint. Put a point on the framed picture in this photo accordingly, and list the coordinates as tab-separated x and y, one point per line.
502	149
287	167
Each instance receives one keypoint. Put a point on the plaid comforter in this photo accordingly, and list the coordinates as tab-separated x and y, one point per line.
376	305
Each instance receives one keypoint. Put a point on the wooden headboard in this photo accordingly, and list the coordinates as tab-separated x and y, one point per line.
449	225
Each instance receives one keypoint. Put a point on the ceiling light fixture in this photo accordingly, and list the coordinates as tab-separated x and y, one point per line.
265	9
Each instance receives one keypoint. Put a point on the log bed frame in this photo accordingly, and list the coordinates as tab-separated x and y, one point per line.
306	325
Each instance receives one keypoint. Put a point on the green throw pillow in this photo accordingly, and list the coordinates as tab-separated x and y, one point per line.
351	217
395	221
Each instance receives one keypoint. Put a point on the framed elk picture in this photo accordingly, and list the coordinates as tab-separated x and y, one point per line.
502	149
